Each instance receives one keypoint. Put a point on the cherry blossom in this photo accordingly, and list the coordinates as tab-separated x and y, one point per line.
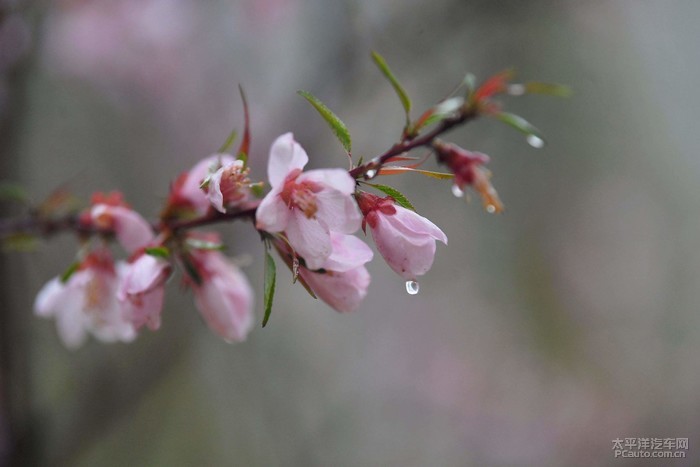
87	302
187	197
110	212
224	296
142	290
229	186
405	239
307	206
343	281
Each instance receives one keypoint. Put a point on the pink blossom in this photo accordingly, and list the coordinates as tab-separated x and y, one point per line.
228	186
187	195
405	239
224	297
306	206
131	229
87	303
142	290
344	280
110	212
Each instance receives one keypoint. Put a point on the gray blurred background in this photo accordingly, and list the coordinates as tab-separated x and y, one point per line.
539	336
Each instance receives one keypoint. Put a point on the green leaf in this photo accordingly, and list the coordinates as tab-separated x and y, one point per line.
229	142
258	189
336	124
403	97
550	89
158	251
244	149
20	242
10	191
523	126
70	271
191	269
399	197
396	170
269	285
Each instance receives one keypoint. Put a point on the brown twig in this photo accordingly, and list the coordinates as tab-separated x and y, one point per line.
47	227
409	144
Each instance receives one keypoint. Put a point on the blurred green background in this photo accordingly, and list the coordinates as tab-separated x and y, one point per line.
539	336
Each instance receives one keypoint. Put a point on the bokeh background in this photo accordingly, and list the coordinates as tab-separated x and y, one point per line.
539	336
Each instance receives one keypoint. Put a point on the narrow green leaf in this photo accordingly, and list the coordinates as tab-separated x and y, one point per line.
396	170
244	149
550	89
269	285
336	124
399	197
70	270
403	97
158	251
520	124
191	269
229	142
10	191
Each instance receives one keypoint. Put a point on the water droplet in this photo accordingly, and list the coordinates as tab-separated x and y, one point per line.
412	287
516	89
457	191
535	141
490	208
370	173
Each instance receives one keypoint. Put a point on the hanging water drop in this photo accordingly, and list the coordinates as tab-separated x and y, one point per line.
412	287
490	208
535	141
457	191
370	174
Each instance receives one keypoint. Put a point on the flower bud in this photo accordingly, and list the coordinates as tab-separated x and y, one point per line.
405	239
224	296
467	167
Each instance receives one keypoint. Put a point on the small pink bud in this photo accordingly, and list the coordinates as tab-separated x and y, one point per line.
468	169
224	297
405	239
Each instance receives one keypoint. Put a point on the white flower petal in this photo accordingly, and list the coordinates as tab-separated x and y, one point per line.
285	155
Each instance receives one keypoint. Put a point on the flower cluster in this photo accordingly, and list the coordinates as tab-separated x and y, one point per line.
309	218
